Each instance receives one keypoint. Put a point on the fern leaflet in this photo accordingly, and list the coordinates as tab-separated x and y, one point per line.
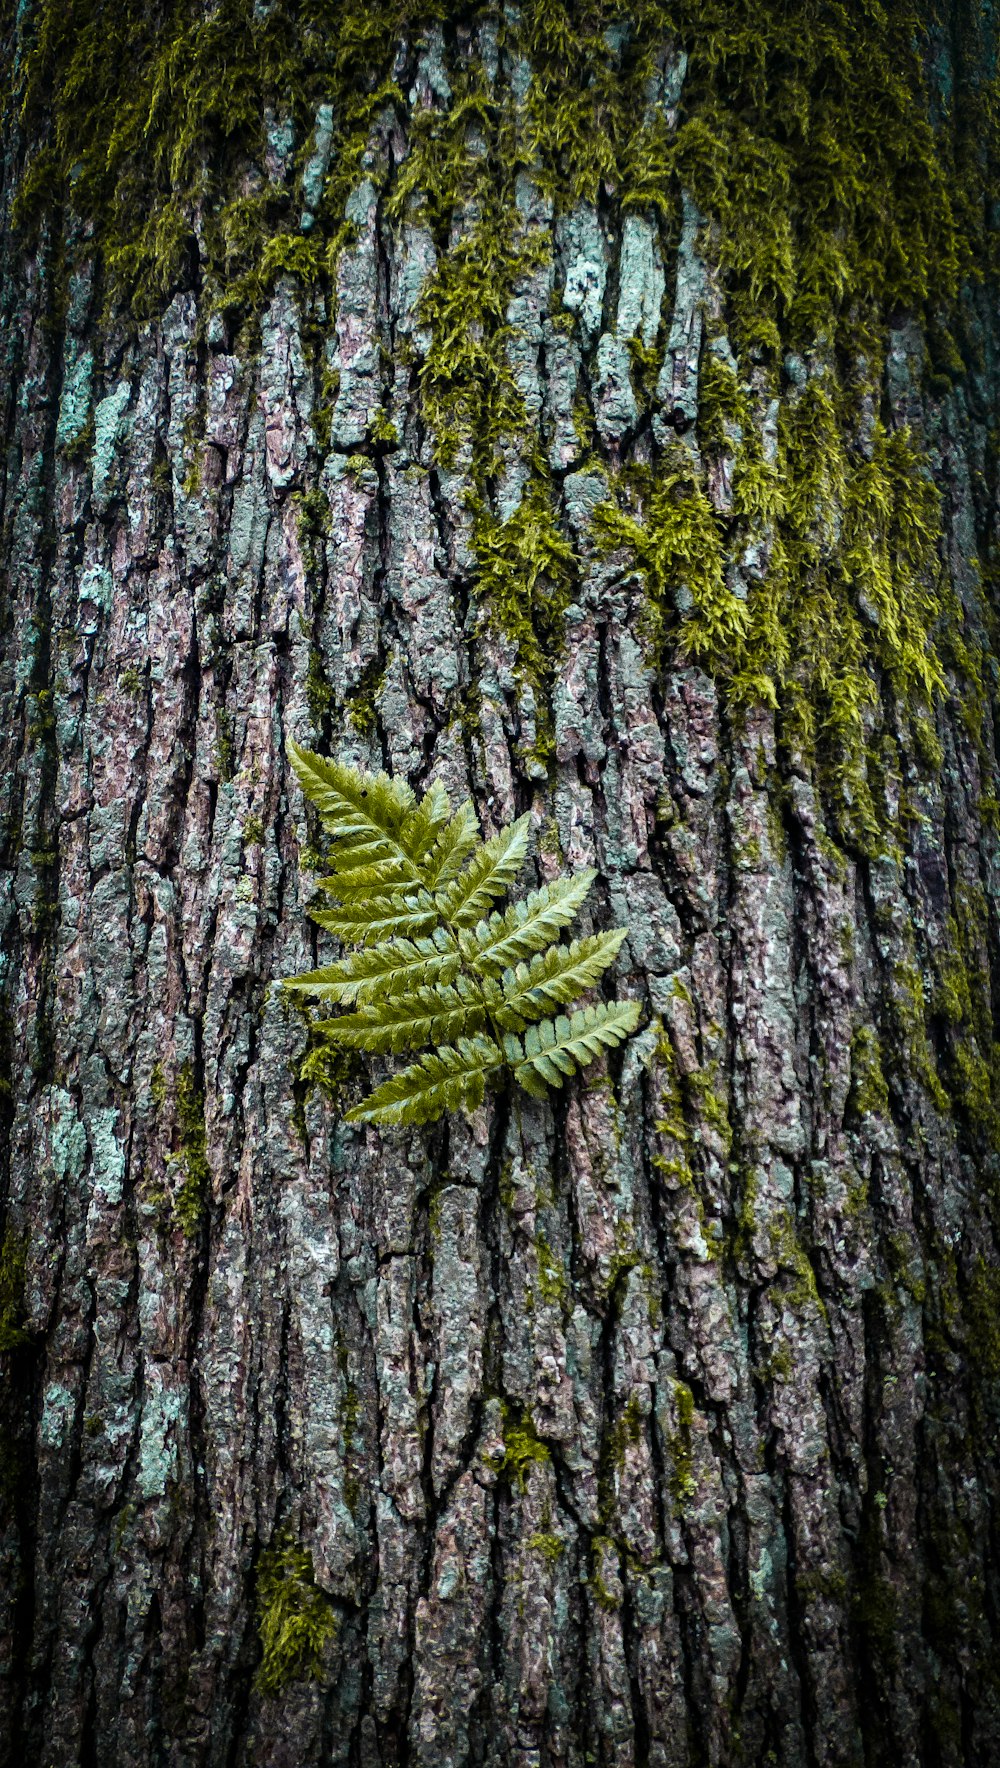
383	970
554	977
558	1047
439	1015
525	927
413	884
443	1080
379	916
454	844
490	873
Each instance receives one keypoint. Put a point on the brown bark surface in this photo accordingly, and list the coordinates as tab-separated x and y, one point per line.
652	1425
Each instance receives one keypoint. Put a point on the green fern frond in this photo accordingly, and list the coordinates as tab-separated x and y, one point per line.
392	968
413	884
553	978
352	802
375	917
424	826
361	872
444	1080
375	819
490	873
526	927
558	1047
454	845
440	1015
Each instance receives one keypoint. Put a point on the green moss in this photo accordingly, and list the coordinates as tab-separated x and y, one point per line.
683	1484
799	1290
646	362
624	1259
909	1049
192	1194
824	1584
523	1448
670	1120
810	138
869	1095
253	832
319	694
294	1618
805	139
313	512
550	1547
724	415
552	1284
527	575
382	432
603	1597
362	701
982	1309
13	1261
141	143
960	1012
667	525
710	1101
328	1066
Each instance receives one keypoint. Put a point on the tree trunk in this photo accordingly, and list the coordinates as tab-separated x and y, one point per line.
592	409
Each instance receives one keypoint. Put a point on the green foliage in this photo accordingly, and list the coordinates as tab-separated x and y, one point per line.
294	1618
434	966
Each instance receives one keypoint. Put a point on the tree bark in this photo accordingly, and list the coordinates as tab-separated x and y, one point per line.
655	1424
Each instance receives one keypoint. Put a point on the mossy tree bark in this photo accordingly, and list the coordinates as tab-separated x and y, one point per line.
593	409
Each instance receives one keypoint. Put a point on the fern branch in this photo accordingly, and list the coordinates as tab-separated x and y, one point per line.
413	885
373	974
443	1080
490	873
374	917
424	826
376	820
558	1047
525	927
452	848
553	978
361	871
440	1015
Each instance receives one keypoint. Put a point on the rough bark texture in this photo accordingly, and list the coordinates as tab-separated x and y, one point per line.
653	1426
